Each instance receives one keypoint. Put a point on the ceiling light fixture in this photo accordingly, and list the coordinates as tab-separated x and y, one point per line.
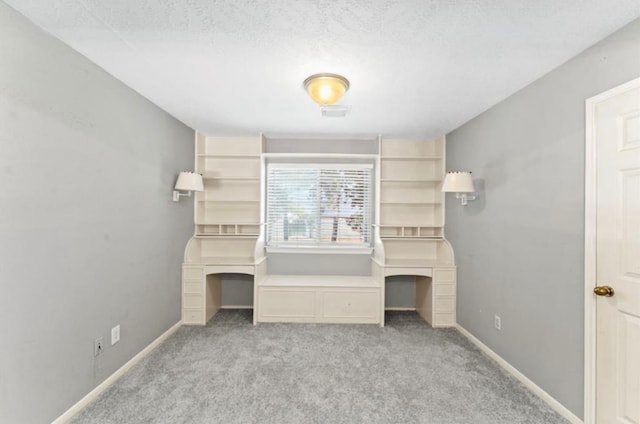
326	89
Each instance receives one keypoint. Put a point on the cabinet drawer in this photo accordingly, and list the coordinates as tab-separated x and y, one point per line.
192	286
192	273
292	303
190	300
444	290
444	275
350	304
193	316
444	319
445	304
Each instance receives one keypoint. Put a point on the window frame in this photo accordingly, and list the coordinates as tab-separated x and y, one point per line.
318	246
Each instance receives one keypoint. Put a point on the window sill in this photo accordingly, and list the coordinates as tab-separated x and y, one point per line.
321	250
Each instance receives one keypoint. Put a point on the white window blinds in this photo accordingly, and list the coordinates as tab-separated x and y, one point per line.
318	204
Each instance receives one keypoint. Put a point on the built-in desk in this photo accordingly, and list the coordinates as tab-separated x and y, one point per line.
202	285
435	295
318	298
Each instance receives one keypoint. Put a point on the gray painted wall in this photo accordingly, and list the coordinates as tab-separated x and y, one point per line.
318	264
519	248
89	236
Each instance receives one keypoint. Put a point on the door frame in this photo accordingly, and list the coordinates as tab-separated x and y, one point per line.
590	198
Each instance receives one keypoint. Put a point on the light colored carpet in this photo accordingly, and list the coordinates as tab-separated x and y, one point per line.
233	372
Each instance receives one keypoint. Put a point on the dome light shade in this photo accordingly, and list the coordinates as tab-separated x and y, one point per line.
326	89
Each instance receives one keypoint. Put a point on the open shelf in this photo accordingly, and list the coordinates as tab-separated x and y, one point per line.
411	158
239	201
411	170
238	156
410	202
411	205
410	180
420	148
226	230
228	167
410	231
227	214
213	176
228	260
411	215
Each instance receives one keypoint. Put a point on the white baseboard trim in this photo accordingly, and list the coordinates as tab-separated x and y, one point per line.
550	400
93	394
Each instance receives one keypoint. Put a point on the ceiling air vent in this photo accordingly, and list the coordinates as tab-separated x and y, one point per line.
334	111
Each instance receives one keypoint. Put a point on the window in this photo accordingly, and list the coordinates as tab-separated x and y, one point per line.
318	204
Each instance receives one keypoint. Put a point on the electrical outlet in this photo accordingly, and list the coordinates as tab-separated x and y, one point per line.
497	322
115	334
98	346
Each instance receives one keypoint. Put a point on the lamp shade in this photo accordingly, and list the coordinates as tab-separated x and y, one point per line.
458	182
326	89
189	181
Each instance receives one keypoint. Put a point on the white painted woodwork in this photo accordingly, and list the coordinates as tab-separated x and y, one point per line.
193	293
436	298
322	299
227	222
411	203
104	386
617	142
550	400
411	225
408	239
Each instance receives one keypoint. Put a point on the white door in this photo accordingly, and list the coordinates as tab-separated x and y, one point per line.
617	143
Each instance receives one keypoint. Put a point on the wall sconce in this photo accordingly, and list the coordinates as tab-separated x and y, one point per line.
460	183
187	181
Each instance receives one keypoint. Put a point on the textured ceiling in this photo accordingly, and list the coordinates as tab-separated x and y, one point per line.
416	67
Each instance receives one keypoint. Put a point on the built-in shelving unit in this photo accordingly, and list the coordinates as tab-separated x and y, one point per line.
411	205
229	206
227	220
408	237
410	225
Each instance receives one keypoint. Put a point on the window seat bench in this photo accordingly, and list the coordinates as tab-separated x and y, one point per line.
320	299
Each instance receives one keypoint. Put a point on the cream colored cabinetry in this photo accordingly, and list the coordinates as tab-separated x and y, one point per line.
411	224
320	298
227	212
227	222
201	294
230	203
193	295
409	239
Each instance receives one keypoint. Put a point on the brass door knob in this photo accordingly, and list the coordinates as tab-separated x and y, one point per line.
604	291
